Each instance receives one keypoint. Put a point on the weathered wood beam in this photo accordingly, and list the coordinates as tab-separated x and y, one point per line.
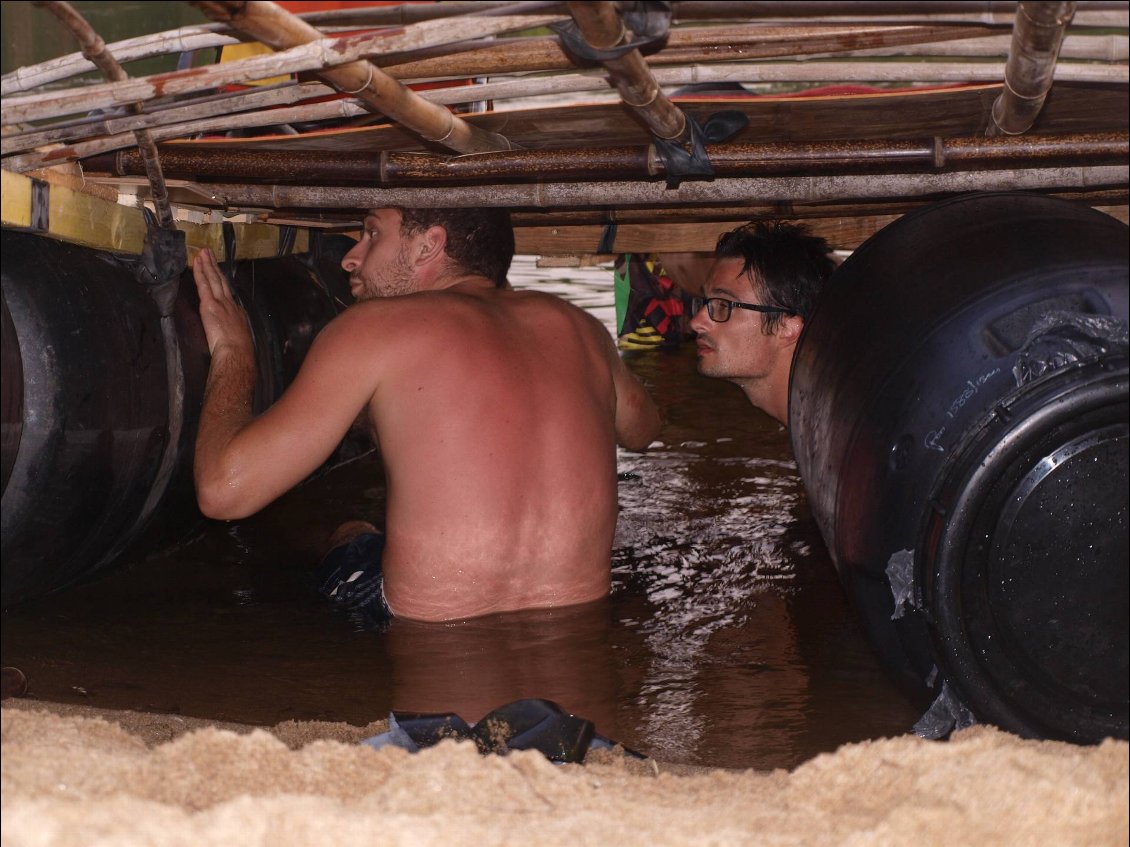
839	188
842	233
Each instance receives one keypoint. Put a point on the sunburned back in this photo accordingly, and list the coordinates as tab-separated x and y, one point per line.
495	414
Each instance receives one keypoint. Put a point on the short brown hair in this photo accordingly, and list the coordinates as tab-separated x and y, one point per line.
479	240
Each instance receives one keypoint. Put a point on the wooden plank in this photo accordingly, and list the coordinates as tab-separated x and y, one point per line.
894	114
571	242
842	233
82	217
15	198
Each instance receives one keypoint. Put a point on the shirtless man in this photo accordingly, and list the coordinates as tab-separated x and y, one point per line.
496	413
760	290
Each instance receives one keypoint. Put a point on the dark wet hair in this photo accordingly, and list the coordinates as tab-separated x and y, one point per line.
479	240
785	262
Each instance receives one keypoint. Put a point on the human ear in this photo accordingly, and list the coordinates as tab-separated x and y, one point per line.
789	328
431	244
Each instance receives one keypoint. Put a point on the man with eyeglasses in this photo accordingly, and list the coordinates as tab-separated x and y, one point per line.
759	292
497	413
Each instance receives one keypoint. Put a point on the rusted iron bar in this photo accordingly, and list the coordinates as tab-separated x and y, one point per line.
619	163
279	29
94	49
1036	38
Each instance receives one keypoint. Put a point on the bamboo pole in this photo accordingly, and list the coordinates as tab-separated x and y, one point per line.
204	36
1112	202
192	118
281	30
502	56
685	46
601	27
1036	38
1104	47
985	11
619	163
838	188
705	44
204	107
94	49
314	54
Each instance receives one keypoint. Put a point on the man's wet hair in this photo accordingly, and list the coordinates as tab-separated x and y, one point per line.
479	240
785	262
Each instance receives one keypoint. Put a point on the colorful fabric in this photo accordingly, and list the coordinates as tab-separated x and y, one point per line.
651	310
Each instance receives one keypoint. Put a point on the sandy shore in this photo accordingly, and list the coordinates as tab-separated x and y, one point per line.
75	776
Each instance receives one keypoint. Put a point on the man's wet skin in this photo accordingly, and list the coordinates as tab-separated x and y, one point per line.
497	415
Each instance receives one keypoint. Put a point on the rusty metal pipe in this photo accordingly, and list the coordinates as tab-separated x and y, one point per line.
608	163
1037	35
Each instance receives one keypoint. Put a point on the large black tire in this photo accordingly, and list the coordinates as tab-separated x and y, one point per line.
101	398
958	409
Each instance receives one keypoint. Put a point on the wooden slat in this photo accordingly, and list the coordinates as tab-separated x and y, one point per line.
843	233
81	217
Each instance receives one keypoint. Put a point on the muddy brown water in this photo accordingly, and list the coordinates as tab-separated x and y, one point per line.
726	640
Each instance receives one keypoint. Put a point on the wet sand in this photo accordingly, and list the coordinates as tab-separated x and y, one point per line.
73	775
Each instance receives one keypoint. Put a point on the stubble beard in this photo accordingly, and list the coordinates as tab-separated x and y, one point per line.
393	280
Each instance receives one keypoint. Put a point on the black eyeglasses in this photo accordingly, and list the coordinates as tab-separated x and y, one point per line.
720	308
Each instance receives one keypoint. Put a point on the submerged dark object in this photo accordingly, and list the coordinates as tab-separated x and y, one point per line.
100	413
530	724
13	683
959	413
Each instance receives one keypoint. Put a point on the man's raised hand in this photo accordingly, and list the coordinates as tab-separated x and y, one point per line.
225	322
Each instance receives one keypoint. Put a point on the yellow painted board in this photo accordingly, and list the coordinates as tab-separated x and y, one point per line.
80	218
15	197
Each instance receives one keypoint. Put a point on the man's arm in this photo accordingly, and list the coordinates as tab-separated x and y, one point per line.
637	418
242	462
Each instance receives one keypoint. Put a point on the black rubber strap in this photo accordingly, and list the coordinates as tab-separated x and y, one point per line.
649	22
228	229
161	263
607	238
690	161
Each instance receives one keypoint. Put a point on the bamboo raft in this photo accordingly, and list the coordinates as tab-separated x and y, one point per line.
978	526
611	132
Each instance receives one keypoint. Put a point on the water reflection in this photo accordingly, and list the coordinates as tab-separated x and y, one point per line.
472	667
726	639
